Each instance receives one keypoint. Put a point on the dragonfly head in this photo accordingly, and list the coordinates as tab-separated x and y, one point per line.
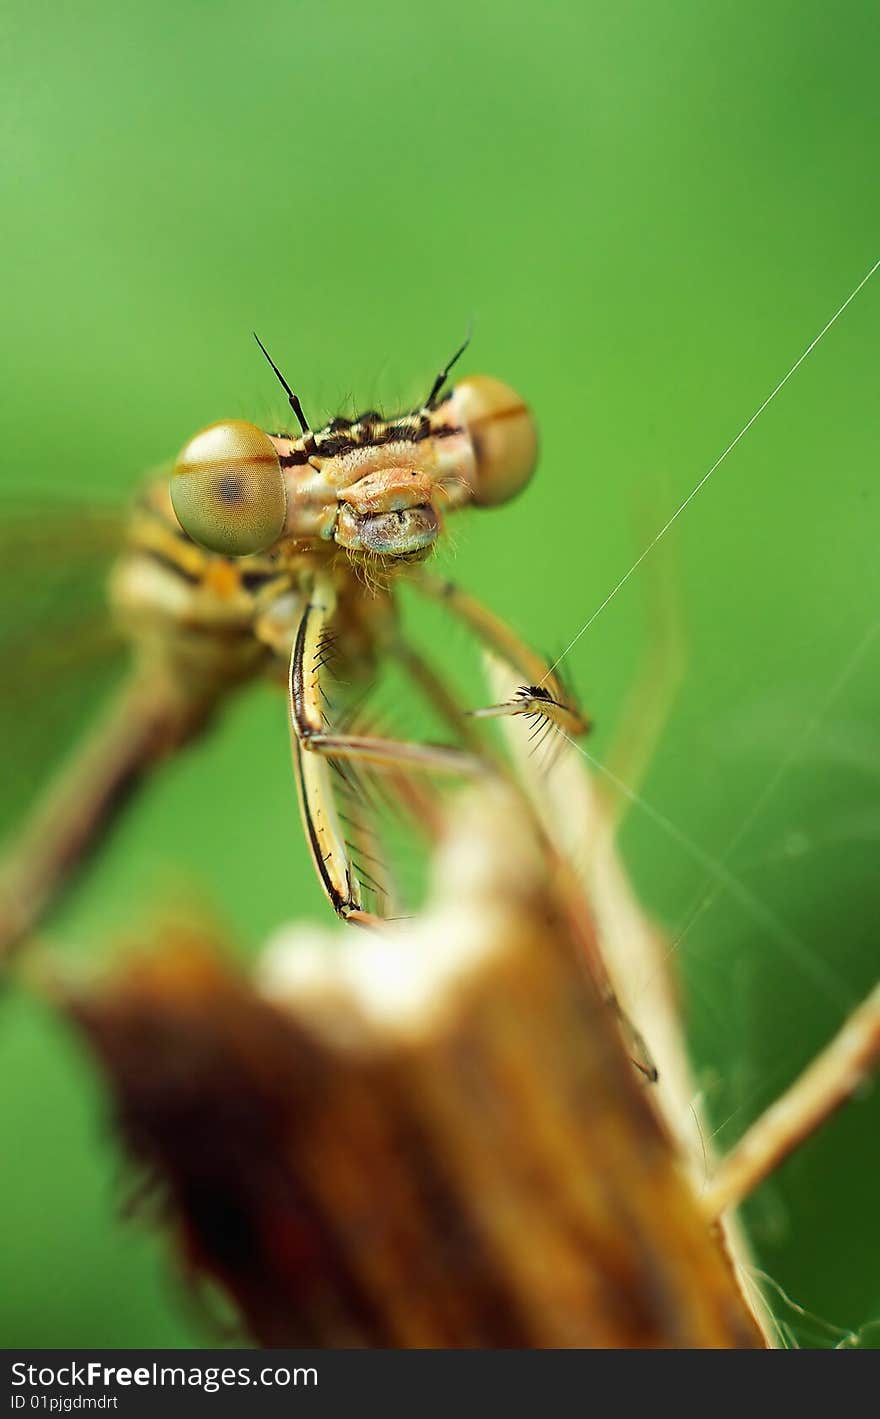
231	494
228	490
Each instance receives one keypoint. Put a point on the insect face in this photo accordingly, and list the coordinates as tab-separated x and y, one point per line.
388	513
375	487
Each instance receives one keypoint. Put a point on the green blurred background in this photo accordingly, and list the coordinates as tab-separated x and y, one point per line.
650	209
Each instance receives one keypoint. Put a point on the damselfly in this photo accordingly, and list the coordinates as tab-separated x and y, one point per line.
280	554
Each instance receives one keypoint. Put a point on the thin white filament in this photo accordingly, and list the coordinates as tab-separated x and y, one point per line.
771	785
789	942
715	466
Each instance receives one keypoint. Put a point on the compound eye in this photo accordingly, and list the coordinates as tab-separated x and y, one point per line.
228	490
504	437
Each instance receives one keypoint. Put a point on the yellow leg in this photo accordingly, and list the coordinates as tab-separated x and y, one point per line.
542	691
318	751
436	691
151	717
542	695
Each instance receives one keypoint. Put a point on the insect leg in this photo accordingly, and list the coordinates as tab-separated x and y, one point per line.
318	752
542	692
648	705
148	720
546	697
435	690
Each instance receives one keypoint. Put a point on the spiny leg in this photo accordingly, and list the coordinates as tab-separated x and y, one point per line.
542	692
318	752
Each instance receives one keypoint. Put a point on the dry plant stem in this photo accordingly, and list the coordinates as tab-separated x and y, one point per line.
426	1136
632	951
824	1086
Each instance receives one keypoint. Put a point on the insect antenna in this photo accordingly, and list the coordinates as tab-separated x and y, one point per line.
444	373
292	399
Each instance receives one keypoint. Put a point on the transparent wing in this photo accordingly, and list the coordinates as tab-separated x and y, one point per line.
59	651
